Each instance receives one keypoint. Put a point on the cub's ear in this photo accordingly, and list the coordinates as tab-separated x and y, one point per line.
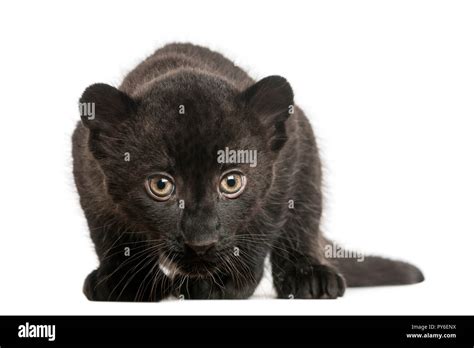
102	106
271	99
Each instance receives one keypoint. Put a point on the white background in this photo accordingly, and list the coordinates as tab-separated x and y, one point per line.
388	86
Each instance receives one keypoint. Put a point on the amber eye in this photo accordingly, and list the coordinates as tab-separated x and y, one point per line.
160	187
232	184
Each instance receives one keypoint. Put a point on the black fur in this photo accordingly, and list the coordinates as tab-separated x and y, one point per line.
278	213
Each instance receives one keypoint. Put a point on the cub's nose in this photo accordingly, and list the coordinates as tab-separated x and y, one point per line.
201	248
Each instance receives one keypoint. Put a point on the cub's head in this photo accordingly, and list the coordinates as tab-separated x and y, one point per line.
189	158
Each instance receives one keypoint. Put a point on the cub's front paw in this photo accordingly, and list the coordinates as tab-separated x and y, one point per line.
310	282
95	289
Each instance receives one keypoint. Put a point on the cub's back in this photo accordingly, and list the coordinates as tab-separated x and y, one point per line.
177	56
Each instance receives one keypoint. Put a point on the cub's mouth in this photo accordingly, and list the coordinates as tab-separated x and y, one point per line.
194	267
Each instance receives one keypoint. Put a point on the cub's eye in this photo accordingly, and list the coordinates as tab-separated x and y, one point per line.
160	187
232	184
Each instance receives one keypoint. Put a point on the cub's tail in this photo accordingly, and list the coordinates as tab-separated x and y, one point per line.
376	271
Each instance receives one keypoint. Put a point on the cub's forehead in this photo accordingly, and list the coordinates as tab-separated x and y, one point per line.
189	145
190	121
